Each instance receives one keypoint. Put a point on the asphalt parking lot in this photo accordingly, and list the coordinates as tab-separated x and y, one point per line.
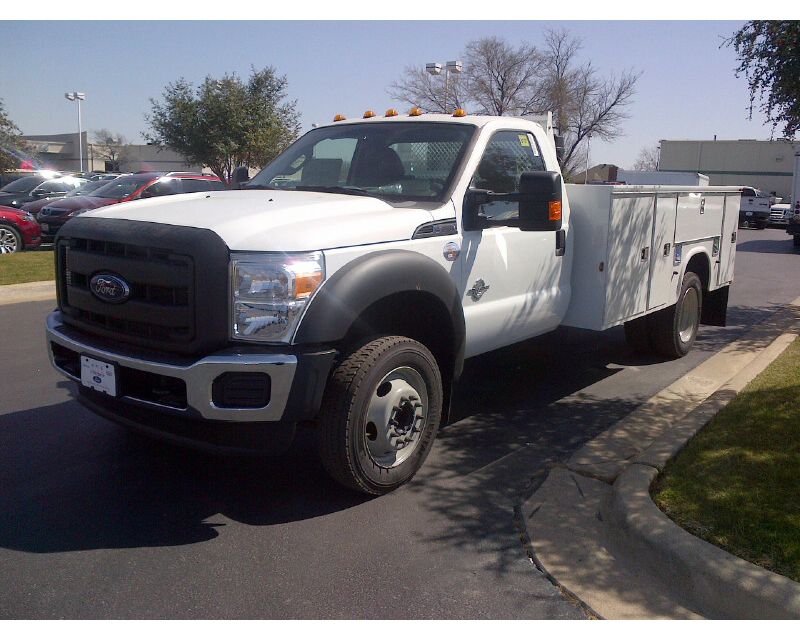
96	522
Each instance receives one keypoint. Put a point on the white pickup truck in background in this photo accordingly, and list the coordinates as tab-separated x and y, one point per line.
346	284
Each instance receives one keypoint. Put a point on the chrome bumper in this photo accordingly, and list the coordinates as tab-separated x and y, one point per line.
198	377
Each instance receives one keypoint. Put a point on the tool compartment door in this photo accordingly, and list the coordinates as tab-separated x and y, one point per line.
727	247
663	252
629	249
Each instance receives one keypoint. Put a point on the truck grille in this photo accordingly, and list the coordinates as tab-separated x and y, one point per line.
161	311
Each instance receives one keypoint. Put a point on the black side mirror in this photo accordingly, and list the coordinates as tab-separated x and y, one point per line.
540	201
240	177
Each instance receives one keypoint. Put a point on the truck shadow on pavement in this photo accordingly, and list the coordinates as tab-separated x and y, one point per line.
69	480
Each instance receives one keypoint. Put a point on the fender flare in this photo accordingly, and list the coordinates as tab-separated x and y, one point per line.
368	279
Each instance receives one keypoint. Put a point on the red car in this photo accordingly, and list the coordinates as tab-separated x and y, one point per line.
18	230
127	187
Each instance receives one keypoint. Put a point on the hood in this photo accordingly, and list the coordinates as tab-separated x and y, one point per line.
278	220
79	202
36	205
6	198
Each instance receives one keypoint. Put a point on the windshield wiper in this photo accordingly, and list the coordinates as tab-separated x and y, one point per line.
344	190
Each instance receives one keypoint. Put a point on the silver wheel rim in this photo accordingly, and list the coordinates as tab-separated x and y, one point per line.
396	415
689	313
8	241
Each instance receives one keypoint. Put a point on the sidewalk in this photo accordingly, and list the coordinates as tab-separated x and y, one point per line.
594	530
27	292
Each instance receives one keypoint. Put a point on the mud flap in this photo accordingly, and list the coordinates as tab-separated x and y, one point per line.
715	307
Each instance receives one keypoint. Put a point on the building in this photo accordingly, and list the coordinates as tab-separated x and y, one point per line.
764	164
691	178
598	173
60	152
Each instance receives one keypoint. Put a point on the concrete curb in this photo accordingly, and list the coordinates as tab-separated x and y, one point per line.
27	292
596	533
722	585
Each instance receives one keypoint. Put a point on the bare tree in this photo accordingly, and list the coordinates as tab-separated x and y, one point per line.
647	160
499	78
110	147
434	94
502	80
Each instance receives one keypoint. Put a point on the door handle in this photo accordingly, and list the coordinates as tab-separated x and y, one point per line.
645	253
667	247
561	242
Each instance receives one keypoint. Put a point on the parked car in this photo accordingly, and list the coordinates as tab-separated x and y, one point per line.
7	177
56	188
18	230
127	187
84	189
754	208
780	214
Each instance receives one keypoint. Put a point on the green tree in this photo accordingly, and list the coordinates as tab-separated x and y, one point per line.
12	147
226	123
768	53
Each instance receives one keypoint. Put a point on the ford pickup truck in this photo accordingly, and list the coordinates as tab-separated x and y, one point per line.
346	284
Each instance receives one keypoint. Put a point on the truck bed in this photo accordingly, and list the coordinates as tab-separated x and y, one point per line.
624	241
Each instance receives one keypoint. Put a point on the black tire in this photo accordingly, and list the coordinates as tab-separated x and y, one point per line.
10	239
344	430
666	336
761	226
796	241
637	334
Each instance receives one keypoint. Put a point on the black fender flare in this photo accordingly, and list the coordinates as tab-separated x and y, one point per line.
368	279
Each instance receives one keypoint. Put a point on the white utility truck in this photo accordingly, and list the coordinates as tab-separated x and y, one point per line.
346	284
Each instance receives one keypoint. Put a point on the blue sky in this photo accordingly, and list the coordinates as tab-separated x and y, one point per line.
687	90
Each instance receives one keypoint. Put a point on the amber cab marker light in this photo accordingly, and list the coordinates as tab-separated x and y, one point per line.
416	111
369	113
338	117
391	112
459	113
554	213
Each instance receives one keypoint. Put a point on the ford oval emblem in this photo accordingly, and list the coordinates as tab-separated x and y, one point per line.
109	288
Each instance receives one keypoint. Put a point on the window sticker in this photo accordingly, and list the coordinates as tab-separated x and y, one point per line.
523	140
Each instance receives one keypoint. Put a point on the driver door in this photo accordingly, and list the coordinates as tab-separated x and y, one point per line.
511	278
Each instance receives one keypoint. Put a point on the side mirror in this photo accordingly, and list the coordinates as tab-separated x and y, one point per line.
240	177
540	201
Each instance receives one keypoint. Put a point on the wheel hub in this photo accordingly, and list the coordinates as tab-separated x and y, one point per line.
395	416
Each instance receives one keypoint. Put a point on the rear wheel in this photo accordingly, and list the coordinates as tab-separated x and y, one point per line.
380	414
674	329
10	240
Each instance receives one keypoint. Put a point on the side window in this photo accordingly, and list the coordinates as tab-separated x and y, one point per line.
162	188
194	186
508	155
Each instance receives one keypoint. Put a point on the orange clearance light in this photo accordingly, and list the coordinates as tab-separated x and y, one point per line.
554	213
391	112
338	117
369	113
459	113
416	111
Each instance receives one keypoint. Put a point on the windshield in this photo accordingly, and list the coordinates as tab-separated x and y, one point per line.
86	189
122	187
22	184
394	160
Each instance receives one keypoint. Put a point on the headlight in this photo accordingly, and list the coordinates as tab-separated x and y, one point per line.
270	291
27	215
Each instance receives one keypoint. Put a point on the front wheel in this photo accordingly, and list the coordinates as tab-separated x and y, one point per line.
675	328
380	414
10	240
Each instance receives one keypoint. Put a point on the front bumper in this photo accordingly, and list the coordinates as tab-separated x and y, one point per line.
297	381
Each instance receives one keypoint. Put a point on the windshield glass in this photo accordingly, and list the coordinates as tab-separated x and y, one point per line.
86	188
122	187
23	184
394	160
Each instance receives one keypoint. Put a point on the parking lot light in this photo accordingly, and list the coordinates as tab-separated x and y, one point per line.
78	96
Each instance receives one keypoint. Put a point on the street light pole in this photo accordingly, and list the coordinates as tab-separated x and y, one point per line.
78	96
435	69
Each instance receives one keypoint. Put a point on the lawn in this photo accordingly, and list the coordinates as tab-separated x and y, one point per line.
737	483
26	266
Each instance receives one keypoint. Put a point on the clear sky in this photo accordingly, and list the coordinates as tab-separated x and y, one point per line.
687	90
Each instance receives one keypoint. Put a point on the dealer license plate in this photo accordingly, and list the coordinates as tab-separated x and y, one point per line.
98	375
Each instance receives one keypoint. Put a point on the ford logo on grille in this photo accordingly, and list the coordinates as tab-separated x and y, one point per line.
109	288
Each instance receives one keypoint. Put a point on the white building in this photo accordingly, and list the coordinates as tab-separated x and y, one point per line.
764	164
